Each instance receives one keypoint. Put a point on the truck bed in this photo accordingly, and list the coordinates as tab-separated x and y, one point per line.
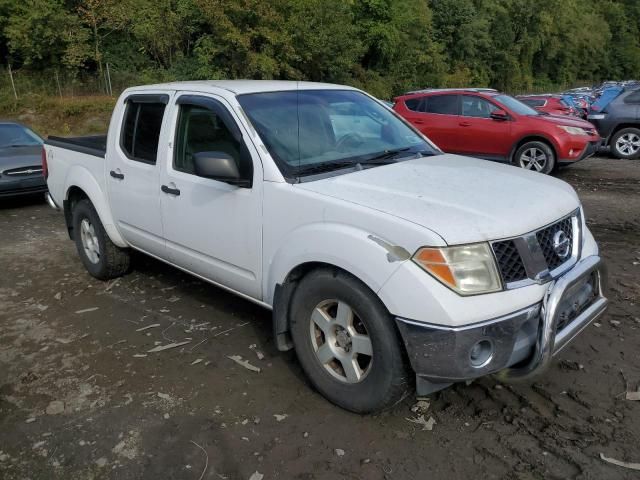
95	145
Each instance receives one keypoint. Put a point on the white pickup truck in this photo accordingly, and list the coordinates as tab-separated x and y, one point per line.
380	256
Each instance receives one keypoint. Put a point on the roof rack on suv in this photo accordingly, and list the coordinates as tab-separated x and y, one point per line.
461	89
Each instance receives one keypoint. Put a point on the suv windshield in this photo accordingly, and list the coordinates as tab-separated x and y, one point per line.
308	131
13	135
516	106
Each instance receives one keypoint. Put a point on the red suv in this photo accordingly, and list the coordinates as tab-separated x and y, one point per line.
551	104
488	124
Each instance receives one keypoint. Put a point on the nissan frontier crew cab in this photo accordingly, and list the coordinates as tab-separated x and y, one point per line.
381	257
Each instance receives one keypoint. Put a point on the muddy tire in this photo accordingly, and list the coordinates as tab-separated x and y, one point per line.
347	342
625	144
535	156
101	257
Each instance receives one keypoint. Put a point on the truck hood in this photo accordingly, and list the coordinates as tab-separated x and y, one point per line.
463	200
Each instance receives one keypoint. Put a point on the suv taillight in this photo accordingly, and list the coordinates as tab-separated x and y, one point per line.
45	167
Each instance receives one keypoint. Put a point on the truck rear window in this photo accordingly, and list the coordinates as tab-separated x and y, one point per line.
141	130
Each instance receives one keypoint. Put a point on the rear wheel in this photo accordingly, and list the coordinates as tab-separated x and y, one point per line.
347	343
536	156
100	256
625	144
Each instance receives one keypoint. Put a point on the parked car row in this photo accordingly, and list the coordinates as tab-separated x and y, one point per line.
492	125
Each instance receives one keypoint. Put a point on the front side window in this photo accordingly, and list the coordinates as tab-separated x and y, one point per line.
201	130
141	130
311	129
533	102
477	107
516	106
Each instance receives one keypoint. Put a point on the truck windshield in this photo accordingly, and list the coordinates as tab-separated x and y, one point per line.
516	106
309	131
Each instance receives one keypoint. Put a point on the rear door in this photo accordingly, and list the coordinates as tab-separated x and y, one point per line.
479	134
212	228
437	118
132	177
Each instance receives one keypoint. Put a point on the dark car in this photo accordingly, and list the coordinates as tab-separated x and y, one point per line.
616	115
20	161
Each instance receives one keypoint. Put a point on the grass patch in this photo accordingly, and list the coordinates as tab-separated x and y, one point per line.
60	116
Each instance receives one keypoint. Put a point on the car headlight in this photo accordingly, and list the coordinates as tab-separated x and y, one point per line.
574	130
466	269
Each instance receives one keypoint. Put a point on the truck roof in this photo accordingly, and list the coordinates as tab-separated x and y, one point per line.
239	87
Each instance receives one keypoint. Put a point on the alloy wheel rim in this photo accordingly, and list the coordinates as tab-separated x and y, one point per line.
628	144
533	159
89	241
340	341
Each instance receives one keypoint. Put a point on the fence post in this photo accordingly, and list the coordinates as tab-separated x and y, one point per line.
58	82
13	85
109	81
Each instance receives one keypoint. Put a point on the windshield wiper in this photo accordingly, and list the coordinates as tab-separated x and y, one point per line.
388	156
325	167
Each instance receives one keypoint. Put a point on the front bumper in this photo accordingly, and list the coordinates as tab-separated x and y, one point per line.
523	343
589	150
22	186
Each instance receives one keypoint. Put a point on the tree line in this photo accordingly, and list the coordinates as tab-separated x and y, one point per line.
383	46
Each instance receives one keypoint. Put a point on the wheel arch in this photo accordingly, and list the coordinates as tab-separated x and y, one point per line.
307	249
534	138
619	127
81	184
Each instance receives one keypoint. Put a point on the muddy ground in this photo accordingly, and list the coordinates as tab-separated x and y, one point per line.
80	398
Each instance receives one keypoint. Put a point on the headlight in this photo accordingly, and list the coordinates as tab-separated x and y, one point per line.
466	269
574	130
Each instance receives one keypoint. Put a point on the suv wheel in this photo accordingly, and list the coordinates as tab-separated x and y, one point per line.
347	342
626	144
536	156
100	256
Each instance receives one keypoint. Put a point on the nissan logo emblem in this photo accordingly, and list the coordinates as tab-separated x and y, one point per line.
561	244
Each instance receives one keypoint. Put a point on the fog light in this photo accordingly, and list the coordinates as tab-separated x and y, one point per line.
481	353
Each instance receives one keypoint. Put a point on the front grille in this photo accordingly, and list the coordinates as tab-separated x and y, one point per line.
23	171
546	240
520	258
509	261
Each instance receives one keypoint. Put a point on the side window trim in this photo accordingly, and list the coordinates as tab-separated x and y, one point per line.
227	119
137	100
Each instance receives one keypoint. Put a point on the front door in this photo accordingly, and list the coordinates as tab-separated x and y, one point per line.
212	228
480	135
133	173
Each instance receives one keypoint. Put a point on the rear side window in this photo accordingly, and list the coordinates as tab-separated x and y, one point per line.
633	97
442	104
413	104
141	129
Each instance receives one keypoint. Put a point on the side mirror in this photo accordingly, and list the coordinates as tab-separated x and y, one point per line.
499	115
218	166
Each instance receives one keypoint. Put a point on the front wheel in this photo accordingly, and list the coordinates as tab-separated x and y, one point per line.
625	144
535	156
347	343
100	256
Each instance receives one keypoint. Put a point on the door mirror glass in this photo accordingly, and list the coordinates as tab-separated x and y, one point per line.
499	115
218	166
